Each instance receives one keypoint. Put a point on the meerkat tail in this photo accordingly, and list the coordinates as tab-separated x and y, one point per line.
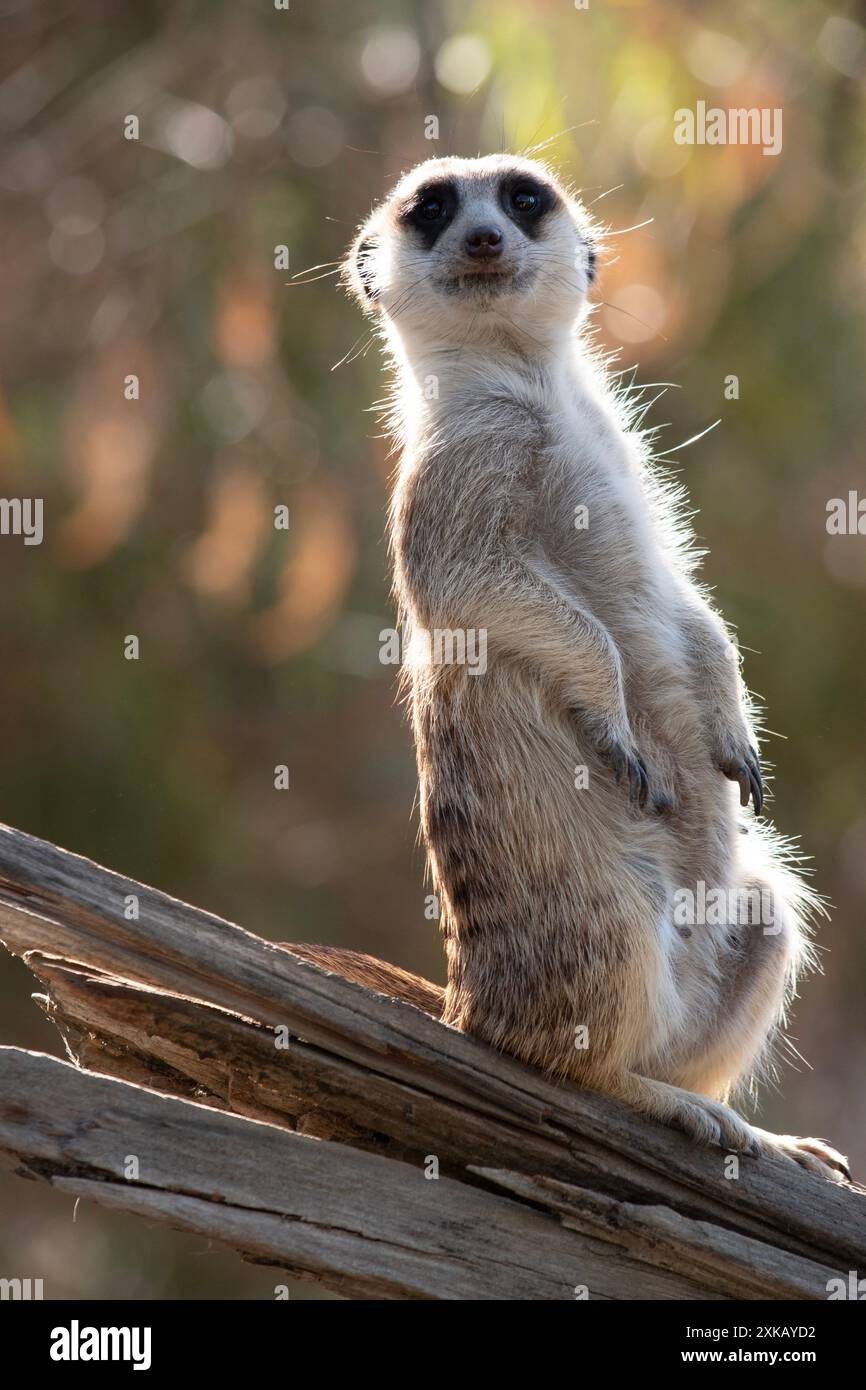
378	975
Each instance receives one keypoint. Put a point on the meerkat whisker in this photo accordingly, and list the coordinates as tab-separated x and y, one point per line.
621	231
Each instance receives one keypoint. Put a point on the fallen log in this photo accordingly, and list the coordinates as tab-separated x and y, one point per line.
313	1125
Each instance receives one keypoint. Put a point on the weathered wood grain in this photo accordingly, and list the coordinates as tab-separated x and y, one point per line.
735	1265
186	1004
361	1224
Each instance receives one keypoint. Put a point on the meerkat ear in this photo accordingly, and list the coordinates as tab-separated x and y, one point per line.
360	270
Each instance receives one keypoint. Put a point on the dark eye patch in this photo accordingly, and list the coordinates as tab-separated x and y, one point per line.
526	201
429	210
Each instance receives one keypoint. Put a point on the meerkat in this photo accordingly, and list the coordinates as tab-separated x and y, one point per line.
603	764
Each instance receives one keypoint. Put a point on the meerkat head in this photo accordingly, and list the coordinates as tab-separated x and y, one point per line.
467	249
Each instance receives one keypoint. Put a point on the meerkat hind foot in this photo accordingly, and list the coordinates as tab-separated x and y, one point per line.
711	1122
816	1155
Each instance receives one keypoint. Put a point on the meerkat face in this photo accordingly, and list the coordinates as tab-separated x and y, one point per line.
467	247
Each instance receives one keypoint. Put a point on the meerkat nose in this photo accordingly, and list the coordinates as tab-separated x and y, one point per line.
483	243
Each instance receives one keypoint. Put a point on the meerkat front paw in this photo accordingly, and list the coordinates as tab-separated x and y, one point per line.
816	1155
738	759
617	748
627	762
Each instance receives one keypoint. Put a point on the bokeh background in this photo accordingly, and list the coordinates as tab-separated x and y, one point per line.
262	127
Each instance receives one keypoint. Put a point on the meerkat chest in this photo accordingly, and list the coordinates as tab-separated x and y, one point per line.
589	508
522	464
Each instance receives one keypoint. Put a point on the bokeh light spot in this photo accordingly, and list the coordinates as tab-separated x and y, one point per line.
390	58
463	63
198	136
76	245
255	107
717	59
842	43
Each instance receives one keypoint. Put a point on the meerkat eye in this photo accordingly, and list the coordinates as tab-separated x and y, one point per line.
431	209
525	201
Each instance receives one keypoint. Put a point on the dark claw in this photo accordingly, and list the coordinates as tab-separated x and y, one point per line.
756	779
756	783
638	783
748	774
627	764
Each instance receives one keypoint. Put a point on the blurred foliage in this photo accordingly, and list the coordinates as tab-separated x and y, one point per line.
261	127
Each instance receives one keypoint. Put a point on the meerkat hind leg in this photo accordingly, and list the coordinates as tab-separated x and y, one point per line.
705	1120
